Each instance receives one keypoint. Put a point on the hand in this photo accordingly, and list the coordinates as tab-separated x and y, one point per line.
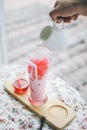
67	10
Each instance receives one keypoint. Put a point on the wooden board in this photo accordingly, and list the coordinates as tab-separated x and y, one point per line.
55	112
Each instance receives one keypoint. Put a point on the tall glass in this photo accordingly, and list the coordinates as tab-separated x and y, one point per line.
38	70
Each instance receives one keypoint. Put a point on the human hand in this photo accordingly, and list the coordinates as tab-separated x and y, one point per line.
65	10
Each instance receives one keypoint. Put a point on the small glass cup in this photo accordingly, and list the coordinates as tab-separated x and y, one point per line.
20	86
21	82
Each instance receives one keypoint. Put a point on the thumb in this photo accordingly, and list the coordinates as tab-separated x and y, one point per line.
55	12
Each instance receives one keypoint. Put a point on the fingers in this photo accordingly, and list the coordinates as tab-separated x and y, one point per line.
64	19
55	13
67	19
74	17
59	19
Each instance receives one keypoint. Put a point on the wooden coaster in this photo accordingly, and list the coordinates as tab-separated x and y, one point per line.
54	111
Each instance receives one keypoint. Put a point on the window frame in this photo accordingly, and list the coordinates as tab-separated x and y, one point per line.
3	42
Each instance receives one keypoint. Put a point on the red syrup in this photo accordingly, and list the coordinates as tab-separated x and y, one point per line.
20	86
42	66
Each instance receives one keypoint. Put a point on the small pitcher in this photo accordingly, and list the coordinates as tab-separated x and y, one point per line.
55	38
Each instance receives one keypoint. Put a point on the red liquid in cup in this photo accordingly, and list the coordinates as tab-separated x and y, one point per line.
20	86
42	66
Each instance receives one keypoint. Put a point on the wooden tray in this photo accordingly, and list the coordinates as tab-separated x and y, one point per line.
55	112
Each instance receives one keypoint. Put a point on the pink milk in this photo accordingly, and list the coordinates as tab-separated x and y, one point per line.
38	70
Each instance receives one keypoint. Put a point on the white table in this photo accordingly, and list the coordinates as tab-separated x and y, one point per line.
14	116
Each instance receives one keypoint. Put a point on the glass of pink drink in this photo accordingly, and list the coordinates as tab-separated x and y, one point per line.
38	70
